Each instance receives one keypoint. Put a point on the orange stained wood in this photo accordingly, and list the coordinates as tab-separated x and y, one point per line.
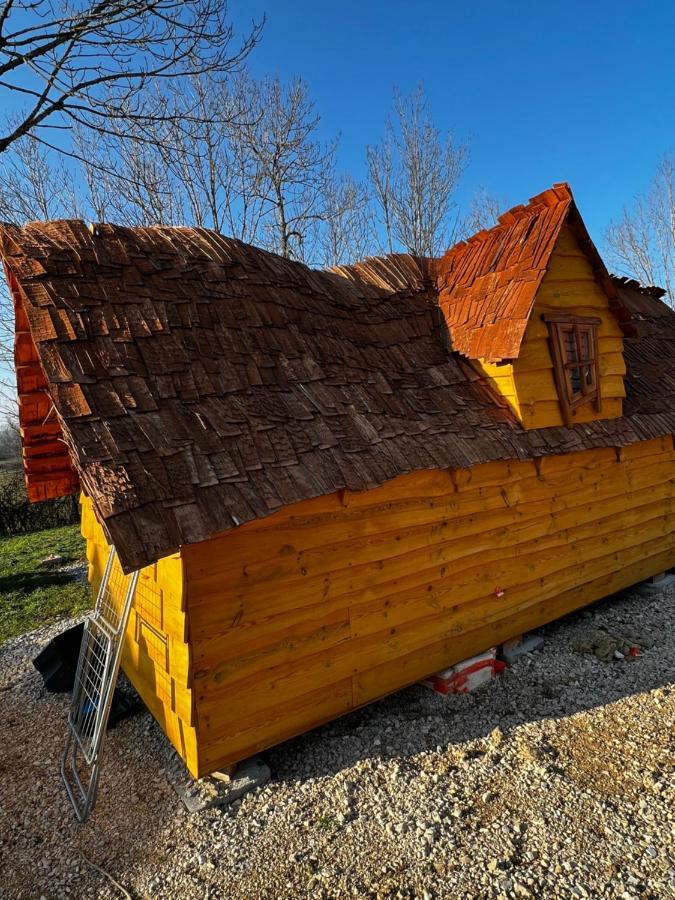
156	655
47	466
333	602
487	284
528	383
271	629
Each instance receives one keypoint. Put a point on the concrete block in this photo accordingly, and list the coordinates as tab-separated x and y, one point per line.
466	676
519	646
219	789
655	585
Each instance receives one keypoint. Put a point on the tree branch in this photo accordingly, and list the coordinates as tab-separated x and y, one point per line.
82	59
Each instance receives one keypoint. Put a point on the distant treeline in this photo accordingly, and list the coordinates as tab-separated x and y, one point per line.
10	445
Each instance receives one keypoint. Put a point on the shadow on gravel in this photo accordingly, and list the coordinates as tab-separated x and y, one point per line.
129	830
554	683
43	850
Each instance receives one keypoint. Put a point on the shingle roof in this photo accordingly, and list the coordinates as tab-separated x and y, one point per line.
650	355
200	383
487	284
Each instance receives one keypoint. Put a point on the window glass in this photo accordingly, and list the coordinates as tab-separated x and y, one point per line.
570	345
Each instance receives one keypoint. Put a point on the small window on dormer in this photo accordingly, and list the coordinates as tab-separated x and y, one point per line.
574	349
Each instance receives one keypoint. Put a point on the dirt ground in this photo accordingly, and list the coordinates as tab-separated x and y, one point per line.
555	780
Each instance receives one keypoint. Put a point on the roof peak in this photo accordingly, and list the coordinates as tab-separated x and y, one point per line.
487	283
559	193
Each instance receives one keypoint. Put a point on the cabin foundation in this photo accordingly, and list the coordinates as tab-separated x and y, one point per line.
220	788
663	581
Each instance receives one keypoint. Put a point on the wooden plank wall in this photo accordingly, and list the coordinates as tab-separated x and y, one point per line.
331	603
46	462
528	384
156	654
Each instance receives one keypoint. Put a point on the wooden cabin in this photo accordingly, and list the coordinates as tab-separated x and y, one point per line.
337	482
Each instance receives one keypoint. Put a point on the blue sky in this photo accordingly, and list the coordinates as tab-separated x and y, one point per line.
544	92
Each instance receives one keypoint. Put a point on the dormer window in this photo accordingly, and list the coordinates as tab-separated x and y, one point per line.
574	349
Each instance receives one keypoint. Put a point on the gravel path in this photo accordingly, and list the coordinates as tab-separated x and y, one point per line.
556	780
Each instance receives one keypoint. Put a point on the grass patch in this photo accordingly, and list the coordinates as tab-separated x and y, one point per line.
32	595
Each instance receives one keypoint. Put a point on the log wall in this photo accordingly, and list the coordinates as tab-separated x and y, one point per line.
156	653
46	463
331	603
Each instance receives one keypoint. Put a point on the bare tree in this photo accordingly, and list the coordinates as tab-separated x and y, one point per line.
642	242
32	186
128	182
346	234
215	180
10	440
7	377
89	62
198	173
249	163
200	162
484	211
413	173
288	167
381	172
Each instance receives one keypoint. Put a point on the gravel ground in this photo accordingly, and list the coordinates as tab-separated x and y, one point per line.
555	780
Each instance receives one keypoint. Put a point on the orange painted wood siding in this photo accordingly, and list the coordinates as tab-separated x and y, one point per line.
334	602
156	653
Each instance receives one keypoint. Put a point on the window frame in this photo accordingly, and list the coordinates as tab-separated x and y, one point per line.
560	325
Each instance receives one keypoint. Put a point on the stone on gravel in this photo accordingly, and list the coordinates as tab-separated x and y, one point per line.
657	585
218	789
521	646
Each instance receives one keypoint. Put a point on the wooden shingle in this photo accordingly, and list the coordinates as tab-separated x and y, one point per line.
198	383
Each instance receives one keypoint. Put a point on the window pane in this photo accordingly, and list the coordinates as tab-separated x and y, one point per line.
573	345
570	345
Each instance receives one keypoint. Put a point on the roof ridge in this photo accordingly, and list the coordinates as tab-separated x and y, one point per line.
560	192
653	290
488	281
372	270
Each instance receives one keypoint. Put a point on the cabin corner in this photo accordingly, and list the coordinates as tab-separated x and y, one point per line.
156	655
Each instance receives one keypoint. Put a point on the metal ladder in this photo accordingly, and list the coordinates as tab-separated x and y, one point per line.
97	669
